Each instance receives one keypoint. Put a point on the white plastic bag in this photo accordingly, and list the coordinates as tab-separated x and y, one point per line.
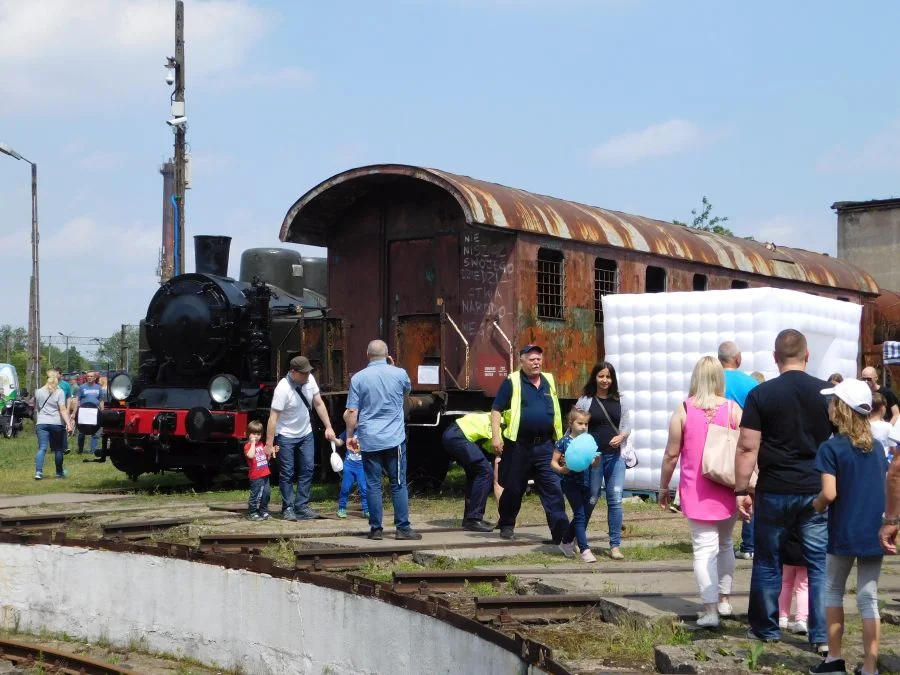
337	464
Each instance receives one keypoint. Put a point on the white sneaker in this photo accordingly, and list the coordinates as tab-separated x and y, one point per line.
709	620
725	609
587	556
743	555
568	550
799	627
782	622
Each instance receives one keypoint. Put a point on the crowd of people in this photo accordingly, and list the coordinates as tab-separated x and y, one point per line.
56	407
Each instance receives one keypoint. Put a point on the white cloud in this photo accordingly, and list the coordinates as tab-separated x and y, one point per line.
666	138
879	153
98	53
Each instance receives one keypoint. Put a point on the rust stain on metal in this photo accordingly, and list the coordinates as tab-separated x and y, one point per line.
486	203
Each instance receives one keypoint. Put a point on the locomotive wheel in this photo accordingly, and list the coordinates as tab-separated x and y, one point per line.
201	476
427	462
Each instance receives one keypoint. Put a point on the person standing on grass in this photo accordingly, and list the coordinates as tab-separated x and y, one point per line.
737	386
527	405
461	441
709	507
576	487
51	423
290	429
610	426
852	465
785	421
90	394
375	428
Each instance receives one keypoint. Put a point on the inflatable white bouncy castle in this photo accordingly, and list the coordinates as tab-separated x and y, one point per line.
655	339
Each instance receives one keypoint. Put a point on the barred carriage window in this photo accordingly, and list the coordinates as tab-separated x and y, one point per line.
699	282
551	284
655	280
606	282
737	283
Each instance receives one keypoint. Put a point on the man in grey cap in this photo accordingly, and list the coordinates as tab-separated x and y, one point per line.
290	430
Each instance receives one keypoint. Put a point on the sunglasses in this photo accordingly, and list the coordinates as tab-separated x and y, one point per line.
868	379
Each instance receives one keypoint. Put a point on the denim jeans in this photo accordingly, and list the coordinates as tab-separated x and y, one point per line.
391	463
479	472
579	497
94	439
516	463
354	472
776	515
611	474
260	491
747	536
49	436
296	462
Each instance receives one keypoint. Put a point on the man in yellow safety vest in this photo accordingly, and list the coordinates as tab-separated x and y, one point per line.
528	405
461	441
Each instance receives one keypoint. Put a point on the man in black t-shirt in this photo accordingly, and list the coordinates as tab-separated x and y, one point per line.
892	409
784	422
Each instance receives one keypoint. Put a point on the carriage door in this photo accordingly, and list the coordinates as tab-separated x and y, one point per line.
420	272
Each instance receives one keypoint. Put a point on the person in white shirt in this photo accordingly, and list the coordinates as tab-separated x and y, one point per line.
290	430
881	430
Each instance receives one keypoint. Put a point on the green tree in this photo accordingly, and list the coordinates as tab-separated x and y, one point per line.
706	222
110	351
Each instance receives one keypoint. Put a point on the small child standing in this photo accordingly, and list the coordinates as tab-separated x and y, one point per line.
881	430
853	467
258	462
794	585
576	486
353	473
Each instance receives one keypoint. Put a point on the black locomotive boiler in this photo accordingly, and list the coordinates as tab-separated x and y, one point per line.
212	351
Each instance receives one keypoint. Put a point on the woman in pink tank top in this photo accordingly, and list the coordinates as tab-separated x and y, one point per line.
710	508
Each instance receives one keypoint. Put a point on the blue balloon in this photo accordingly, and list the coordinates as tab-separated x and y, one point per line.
581	452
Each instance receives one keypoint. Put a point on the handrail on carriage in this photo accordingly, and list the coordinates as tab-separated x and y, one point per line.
509	342
466	343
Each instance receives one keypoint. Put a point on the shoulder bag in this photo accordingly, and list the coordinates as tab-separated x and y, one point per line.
629	456
719	452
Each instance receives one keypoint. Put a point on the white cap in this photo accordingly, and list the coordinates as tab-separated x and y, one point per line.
854	393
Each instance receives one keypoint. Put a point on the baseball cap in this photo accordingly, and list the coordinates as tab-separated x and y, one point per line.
854	393
301	364
530	348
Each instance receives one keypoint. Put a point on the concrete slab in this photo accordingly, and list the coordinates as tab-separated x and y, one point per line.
8	502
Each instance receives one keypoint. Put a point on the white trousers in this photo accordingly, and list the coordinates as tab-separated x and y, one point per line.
713	557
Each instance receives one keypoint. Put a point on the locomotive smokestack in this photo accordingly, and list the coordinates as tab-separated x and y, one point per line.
211	254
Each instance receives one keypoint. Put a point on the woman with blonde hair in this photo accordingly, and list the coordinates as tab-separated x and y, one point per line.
51	423
709	507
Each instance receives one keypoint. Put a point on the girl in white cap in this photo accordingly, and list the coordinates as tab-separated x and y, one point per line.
853	467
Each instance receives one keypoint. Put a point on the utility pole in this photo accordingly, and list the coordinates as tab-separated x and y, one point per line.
68	370
122	349
179	123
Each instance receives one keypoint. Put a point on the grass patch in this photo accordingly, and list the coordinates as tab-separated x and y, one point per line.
678	551
282	552
628	643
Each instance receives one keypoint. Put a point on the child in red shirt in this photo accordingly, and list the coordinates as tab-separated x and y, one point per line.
255	452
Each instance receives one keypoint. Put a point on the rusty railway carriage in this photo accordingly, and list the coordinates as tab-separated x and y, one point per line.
456	273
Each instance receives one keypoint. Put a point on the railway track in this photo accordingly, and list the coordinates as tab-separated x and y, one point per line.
38	658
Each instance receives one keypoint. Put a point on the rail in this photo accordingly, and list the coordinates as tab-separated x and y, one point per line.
46	660
509	342
466	344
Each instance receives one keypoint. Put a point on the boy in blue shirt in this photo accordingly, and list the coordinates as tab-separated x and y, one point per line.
353	473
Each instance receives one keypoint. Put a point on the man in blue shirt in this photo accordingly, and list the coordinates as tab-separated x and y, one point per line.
737	386
375	427
91	395
528	399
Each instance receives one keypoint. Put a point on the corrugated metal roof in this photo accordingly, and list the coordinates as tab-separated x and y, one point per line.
503	207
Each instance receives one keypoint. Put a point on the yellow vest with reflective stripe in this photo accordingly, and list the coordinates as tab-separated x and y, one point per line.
476	427
513	416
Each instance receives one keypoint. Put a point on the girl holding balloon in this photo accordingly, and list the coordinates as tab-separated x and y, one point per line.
573	457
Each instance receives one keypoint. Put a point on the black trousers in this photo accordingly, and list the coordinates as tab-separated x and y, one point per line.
517	463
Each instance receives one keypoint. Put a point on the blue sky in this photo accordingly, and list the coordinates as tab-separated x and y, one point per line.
772	109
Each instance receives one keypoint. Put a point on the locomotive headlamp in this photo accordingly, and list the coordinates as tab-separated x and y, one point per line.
223	388
121	386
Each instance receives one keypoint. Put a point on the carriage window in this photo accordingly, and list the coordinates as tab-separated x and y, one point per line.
699	282
551	284
737	283
655	280
606	282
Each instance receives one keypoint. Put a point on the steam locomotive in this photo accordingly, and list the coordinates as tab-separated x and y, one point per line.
212	350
